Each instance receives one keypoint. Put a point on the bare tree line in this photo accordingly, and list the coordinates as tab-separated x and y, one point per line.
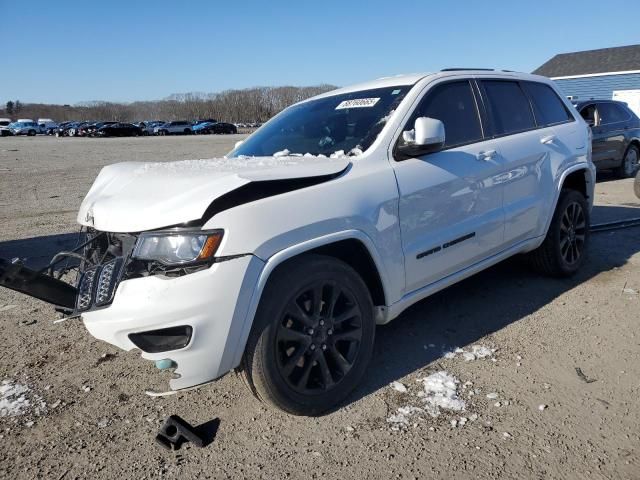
249	105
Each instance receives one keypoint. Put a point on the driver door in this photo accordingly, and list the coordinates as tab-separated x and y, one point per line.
451	213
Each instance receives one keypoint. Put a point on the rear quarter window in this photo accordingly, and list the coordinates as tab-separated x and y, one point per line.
508	107
547	106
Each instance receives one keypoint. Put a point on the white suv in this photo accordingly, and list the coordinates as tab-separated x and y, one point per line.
335	216
173	128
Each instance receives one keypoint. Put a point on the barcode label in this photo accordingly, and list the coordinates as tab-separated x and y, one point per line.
358	103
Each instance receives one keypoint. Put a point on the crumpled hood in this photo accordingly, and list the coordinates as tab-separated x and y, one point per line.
139	196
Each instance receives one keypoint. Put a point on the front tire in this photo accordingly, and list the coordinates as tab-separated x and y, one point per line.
312	337
629	163
564	248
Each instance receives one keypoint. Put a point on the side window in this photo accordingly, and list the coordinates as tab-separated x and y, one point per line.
455	106
508	106
590	114
611	113
547	107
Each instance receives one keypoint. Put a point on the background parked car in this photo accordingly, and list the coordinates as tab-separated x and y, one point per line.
179	127
119	130
24	128
45	124
148	126
75	130
65	127
616	135
5	131
200	126
90	129
219	127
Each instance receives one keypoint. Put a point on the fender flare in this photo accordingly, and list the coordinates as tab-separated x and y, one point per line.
290	252
589	170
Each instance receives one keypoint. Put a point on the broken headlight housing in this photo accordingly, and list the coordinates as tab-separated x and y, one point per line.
178	247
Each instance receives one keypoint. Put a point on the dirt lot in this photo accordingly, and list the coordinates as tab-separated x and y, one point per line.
556	395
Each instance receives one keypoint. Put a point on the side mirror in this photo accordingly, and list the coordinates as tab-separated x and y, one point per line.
427	136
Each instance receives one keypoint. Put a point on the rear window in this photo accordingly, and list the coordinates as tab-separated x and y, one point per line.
547	107
612	113
508	106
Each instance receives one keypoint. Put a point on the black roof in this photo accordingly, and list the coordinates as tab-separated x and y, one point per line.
616	59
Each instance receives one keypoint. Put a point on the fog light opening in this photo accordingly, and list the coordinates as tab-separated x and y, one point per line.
163	340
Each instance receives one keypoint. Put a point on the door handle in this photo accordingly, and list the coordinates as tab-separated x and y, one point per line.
548	139
486	155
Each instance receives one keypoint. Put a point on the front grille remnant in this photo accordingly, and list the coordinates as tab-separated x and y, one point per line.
107	281
98	284
85	289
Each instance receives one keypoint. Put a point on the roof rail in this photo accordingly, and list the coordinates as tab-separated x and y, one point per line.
462	68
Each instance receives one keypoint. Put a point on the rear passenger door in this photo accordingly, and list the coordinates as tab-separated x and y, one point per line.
450	204
608	135
528	146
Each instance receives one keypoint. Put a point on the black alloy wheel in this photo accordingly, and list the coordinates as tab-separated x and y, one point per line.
573	233
564	248
312	336
318	337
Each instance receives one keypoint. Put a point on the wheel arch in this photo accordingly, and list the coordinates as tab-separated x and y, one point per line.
635	142
354	247
578	177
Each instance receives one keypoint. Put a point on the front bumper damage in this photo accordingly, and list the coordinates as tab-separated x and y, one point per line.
192	321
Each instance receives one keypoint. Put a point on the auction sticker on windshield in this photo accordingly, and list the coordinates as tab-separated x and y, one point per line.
357	103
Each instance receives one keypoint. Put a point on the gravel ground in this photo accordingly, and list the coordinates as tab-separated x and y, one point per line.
553	393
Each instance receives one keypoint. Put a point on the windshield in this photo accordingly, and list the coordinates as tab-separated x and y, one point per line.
344	124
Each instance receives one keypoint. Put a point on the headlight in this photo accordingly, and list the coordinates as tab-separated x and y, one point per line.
178	247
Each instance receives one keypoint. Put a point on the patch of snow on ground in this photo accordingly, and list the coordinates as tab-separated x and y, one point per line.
400	419
399	387
18	399
476	352
441	392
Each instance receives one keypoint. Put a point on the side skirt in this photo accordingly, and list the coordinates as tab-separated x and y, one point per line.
412	297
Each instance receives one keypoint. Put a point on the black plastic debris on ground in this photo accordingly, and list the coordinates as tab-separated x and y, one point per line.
583	377
175	431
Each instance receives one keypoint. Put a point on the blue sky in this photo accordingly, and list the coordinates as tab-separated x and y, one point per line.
71	51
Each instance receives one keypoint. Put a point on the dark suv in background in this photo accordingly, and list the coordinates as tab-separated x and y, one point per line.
616	135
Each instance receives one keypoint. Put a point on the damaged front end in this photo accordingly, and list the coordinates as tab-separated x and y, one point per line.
163	292
101	260
76	280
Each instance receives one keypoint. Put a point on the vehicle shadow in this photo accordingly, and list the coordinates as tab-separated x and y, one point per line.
464	313
36	252
604	176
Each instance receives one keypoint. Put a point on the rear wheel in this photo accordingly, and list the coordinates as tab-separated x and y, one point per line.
563	251
630	163
32	133
312	337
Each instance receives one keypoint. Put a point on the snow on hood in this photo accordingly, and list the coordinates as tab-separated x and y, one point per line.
138	196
